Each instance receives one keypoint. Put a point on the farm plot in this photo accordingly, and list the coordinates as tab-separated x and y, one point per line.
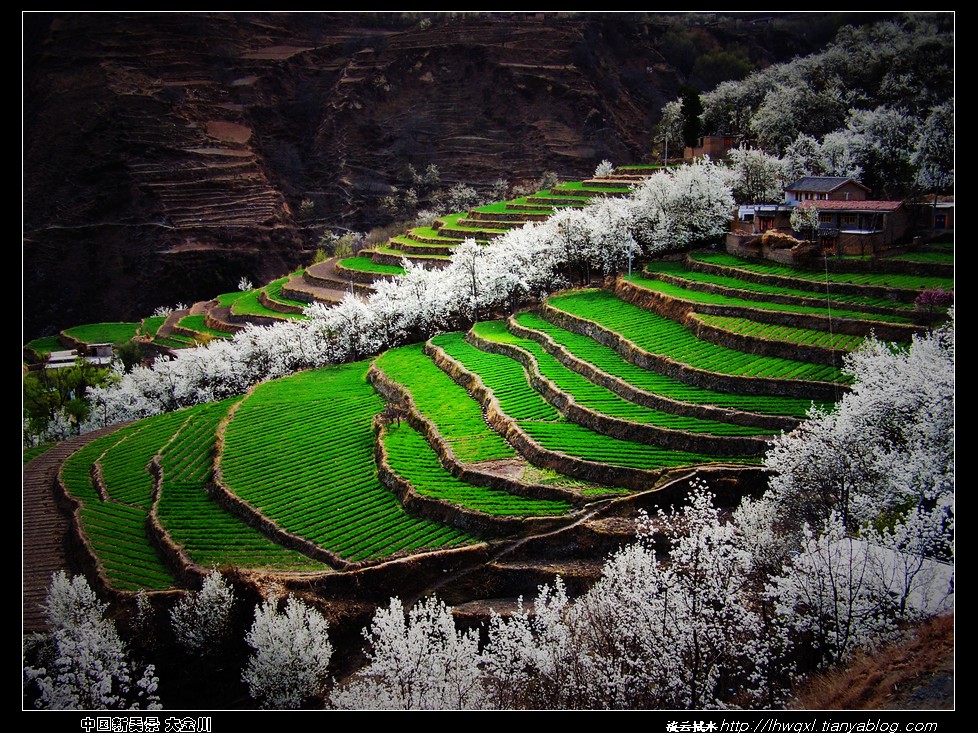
116	532
457	416
125	464
649	282
774	332
198	324
195	521
365	264
879	280
538	418
659	335
413	459
611	362
98	333
602	400
760	291
300	451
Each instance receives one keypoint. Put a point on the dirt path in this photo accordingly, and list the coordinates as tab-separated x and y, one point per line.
44	527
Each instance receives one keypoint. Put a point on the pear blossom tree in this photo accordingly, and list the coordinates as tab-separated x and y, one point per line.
201	620
828	595
758	176
887	446
417	661
671	210
604	169
83	662
804	157
531	659
684	206
290	655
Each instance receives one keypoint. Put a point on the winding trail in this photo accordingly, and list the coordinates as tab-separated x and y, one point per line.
45	527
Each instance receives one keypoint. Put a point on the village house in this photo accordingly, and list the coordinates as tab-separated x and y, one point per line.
824	188
714	146
849	222
860	227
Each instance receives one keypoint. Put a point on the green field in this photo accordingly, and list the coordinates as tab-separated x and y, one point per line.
300	451
602	400
611	362
365	264
786	334
412	458
247	304
457	416
116	532
103	333
872	279
541	421
45	345
199	325
194	520
659	335
751	295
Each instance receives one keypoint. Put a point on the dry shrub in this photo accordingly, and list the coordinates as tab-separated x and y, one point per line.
882	679
778	240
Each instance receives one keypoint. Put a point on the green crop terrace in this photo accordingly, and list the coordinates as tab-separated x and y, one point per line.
457	417
787	334
197	324
541	421
300	451
659	335
209	535
410	456
365	264
103	333
116	532
870	279
649	281
758	291
599	399
611	362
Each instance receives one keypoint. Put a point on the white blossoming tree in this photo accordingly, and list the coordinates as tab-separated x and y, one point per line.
84	663
201	620
291	653
418	661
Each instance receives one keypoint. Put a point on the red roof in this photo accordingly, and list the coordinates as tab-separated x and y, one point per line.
828	205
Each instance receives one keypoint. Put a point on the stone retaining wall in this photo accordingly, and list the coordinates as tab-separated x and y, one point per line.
179	563
820	391
274	305
212	321
468	520
654	401
616	427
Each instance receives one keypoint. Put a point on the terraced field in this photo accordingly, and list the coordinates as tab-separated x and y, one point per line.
478	438
892	281
659	335
299	450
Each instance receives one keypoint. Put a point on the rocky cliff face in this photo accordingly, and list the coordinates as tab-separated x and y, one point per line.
166	154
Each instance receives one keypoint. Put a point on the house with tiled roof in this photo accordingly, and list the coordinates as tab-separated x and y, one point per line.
850	222
859	227
824	188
